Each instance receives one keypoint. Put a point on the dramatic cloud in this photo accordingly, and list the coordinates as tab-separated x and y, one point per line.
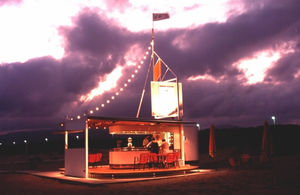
209	59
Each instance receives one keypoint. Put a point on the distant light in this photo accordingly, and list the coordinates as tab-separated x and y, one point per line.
145	57
149	48
121	89
102	105
77	137
132	76
139	66
273	117
14	142
147	52
61	124
25	141
129	80
91	111
198	125
142	62
97	108
112	97
78	117
136	71
125	85
108	101
71	119
117	93
0	144
46	139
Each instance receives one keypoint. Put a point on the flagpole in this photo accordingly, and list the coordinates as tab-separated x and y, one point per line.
149	67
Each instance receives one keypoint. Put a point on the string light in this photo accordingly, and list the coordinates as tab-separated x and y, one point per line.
125	84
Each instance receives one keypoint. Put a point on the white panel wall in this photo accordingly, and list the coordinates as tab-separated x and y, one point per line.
191	143
75	162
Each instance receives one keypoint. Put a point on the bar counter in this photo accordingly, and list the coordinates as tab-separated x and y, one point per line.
125	157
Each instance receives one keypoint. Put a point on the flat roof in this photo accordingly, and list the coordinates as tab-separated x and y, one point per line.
137	121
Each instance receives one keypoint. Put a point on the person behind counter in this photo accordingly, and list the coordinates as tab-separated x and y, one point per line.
153	146
129	145
164	147
146	141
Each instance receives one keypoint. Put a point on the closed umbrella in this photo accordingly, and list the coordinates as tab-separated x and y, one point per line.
266	146
212	142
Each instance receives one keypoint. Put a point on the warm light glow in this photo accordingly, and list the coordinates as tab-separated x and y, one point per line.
112	97
91	111
97	108
125	85
121	89
255	68
132	76
109	83
108	101
102	105
117	93
78	117
21	27
205	77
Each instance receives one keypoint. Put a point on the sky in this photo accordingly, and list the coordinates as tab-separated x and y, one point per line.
238	60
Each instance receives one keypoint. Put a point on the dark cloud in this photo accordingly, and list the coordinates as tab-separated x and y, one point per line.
214	47
285	69
10	2
49	89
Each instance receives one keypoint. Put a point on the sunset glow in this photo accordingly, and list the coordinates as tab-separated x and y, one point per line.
109	82
256	67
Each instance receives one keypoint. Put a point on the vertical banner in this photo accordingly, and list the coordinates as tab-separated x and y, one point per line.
164	99
157	70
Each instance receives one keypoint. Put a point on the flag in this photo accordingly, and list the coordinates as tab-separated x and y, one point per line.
160	16
157	70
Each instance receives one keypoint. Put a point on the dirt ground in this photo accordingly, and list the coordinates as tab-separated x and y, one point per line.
281	176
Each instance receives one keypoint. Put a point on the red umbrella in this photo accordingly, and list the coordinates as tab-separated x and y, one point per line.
212	142
266	146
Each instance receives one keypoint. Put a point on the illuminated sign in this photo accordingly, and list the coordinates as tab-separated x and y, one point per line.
164	99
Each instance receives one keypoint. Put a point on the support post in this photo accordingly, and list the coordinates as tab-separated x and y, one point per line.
182	144
66	140
86	149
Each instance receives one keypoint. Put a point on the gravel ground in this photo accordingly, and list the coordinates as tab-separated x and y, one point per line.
279	177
